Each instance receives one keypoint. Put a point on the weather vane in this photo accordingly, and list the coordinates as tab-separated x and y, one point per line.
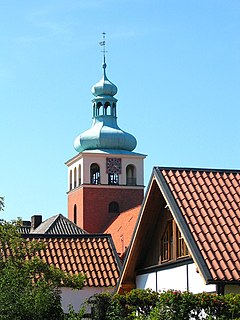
103	44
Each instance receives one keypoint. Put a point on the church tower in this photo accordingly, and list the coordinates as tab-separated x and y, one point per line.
106	177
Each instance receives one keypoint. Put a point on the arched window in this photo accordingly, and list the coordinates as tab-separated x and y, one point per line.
95	173
98	111
70	180
107	110
79	175
75	214
113	207
131	175
75	177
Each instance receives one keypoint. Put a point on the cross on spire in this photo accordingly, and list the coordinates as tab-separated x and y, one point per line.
103	44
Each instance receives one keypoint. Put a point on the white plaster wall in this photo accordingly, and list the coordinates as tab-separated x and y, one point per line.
196	282
176	279
77	297
146	281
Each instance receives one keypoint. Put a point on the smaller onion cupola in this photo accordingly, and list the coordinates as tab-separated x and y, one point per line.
105	132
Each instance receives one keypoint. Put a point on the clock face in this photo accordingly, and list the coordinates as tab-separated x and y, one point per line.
113	165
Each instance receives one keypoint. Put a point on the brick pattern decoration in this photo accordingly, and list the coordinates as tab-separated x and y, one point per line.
209	201
122	229
93	205
92	255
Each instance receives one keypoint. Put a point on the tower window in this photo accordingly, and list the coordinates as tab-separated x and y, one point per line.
131	175
70	180
79	175
95	173
107	108
75	177
75	214
113	178
99	109
113	207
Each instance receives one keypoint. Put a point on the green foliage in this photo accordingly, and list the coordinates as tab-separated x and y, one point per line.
28	286
141	304
72	315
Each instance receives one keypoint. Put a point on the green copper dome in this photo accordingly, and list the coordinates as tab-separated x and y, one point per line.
105	133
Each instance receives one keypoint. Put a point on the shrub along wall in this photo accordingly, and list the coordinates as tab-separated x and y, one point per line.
172	305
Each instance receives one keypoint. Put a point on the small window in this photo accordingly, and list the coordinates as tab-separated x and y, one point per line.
131	175
172	243
75	177
79	175
167	242
113	178
75	214
99	109
182	249
95	173
113	207
70	180
107	109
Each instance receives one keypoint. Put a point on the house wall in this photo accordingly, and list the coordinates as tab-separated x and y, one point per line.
77	297
180	278
232	288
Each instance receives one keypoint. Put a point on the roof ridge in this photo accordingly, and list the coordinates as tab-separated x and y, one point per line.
198	169
83	235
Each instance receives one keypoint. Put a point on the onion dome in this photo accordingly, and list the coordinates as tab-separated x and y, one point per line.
104	86
105	132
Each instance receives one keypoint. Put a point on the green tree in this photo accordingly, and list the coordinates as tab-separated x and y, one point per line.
29	288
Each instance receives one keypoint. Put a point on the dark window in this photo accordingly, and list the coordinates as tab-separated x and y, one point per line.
182	249
113	178
95	174
75	214
75	177
70	180
167	243
173	244
131	175
113	207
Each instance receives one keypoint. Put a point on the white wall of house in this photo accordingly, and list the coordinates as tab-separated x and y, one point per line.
178	278
77	297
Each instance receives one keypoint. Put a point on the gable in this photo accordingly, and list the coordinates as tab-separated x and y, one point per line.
209	203
205	206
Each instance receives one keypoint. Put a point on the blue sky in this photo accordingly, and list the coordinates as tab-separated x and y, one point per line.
177	68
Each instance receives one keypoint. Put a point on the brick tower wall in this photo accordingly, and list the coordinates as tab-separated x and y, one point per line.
93	205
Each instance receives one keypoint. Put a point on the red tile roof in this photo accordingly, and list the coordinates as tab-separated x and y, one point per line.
121	229
209	201
92	255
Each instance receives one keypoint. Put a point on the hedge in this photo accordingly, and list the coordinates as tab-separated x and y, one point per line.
142	304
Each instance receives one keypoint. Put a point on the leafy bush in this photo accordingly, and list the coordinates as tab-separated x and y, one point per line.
172	305
29	286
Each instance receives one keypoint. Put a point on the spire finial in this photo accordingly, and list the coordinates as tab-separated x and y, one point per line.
103	44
